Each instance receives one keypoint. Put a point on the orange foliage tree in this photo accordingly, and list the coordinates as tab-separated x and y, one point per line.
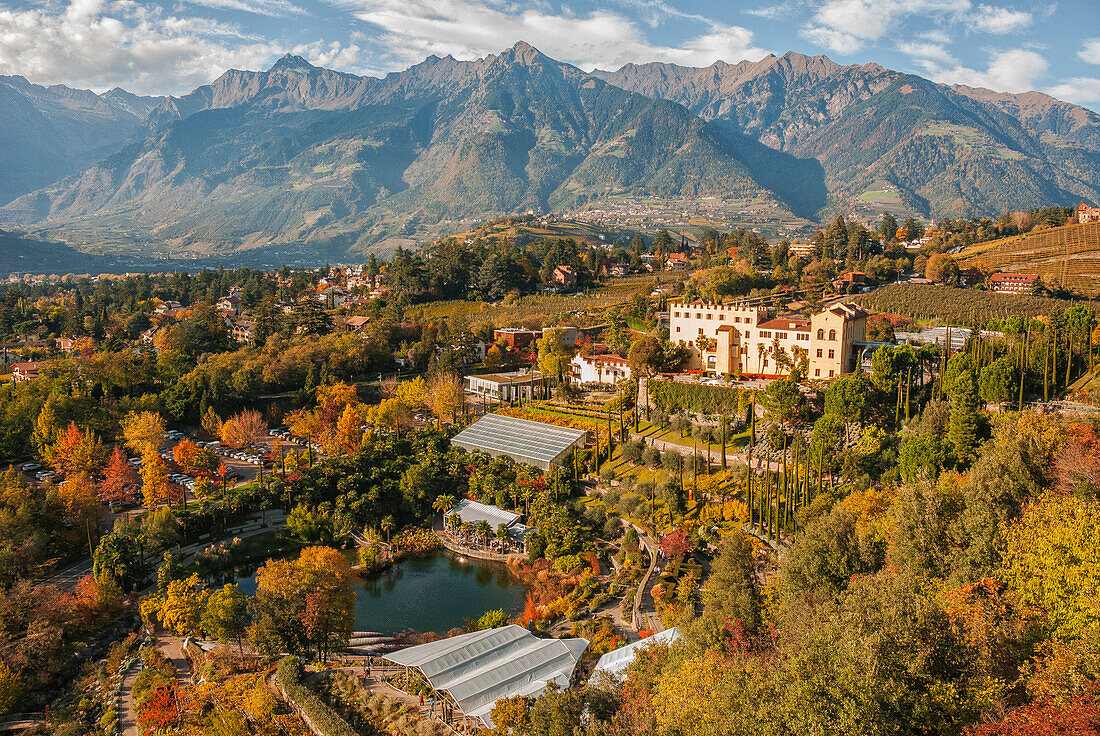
76	452
160	711
119	478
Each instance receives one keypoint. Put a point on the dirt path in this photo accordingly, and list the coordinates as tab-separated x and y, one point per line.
127	710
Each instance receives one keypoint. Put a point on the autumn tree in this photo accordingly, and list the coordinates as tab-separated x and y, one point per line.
302	604
143	430
226	616
348	437
942	269
446	396
211	422
76	452
156	487
183	606
186	453
118	478
1051	562
243	429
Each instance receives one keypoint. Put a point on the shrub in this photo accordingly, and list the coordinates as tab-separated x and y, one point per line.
288	673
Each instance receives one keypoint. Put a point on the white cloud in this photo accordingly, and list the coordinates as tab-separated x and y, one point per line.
999	20
846	26
1081	90
1014	70
270	8
1090	52
468	29
102	44
332	55
927	51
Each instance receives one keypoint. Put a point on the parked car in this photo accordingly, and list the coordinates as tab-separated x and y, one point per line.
30	467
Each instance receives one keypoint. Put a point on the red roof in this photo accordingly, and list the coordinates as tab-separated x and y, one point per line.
1015	277
609	359
798	324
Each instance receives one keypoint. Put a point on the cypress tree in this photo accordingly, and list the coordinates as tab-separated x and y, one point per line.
962	429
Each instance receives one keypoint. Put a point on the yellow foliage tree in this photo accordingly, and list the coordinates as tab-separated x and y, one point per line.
143	430
155	484
446	396
11	688
183	606
1052	561
686	694
348	437
412	393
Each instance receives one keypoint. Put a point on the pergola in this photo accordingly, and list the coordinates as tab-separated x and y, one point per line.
476	670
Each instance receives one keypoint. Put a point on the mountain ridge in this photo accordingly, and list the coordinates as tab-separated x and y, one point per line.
302	154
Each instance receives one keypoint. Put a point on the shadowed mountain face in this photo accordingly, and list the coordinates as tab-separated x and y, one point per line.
47	133
298	155
949	150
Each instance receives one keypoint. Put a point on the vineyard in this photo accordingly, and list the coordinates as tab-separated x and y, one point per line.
541	306
927	303
1066	257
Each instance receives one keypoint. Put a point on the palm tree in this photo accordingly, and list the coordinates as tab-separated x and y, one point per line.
466	529
444	503
502	536
387	524
484	529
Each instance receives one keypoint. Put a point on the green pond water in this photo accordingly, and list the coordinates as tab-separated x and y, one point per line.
434	592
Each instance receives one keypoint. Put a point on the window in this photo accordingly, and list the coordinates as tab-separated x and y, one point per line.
675	314
817	372
721	318
832	334
831	373
818	350
678	329
736	319
766	333
803	336
821	334
698	315
781	335
765	362
832	354
710	316
747	334
700	330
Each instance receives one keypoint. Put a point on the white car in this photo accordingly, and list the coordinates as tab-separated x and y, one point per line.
30	467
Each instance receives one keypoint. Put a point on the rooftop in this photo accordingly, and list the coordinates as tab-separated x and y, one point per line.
471	512
482	667
519	438
785	323
513	377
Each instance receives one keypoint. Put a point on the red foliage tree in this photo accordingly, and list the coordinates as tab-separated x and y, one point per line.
675	543
1078	464
1079	717
160	710
119	478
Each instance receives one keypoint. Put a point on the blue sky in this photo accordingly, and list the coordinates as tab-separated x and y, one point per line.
171	46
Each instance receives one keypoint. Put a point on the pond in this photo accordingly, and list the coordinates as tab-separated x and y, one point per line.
433	592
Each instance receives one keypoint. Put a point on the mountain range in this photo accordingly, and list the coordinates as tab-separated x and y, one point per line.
334	162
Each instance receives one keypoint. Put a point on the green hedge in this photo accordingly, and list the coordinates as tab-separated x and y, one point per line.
675	396
289	675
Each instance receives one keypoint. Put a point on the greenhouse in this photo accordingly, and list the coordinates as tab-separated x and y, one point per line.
476	670
542	445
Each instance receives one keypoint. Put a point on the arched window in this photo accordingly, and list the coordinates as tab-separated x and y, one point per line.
821	334
832	334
